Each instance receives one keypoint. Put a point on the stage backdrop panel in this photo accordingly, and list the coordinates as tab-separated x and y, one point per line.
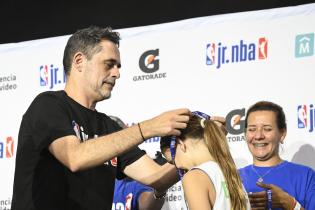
218	64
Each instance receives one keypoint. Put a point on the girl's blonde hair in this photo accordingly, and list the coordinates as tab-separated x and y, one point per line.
218	147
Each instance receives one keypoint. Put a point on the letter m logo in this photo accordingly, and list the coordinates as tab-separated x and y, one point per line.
304	45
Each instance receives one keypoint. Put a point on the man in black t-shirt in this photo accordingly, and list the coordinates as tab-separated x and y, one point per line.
132	195
66	155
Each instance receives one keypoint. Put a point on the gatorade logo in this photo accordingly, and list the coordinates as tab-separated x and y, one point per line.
149	62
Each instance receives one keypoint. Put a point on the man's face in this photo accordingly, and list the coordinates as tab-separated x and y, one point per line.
102	70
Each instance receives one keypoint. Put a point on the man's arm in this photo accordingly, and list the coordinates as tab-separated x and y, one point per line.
148	201
146	171
78	156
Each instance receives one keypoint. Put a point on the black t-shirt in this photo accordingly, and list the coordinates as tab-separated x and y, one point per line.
41	182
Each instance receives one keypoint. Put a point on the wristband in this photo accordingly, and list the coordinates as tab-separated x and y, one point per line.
294	204
160	197
269	199
297	205
143	139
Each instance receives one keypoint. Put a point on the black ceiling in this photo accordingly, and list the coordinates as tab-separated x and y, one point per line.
23	20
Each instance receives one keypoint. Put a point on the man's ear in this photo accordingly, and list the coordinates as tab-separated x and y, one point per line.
167	154
78	60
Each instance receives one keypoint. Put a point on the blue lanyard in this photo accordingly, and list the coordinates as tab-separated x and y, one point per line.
173	152
173	140
173	147
201	115
269	197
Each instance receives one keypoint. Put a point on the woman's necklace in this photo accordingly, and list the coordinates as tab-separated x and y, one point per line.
261	177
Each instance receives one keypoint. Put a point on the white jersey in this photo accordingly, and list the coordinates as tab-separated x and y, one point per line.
175	199
222	200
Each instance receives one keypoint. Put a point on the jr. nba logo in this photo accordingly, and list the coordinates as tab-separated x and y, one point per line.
306	117
49	76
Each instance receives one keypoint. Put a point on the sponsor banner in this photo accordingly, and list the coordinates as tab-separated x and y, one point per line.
219	65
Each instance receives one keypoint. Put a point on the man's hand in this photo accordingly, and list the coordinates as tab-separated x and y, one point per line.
166	124
220	121
280	198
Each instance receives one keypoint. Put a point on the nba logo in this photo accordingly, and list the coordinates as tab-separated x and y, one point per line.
43	72
114	161
262	48
128	201
76	129
210	54
302	116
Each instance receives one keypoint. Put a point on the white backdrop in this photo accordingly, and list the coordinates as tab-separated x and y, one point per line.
218	64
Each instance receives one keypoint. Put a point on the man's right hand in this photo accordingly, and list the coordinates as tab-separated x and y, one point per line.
220	121
166	124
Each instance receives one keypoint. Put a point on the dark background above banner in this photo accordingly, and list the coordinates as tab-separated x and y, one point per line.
23	20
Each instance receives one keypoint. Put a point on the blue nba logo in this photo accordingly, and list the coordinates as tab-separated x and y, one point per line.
302	116
210	54
43	78
306	117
